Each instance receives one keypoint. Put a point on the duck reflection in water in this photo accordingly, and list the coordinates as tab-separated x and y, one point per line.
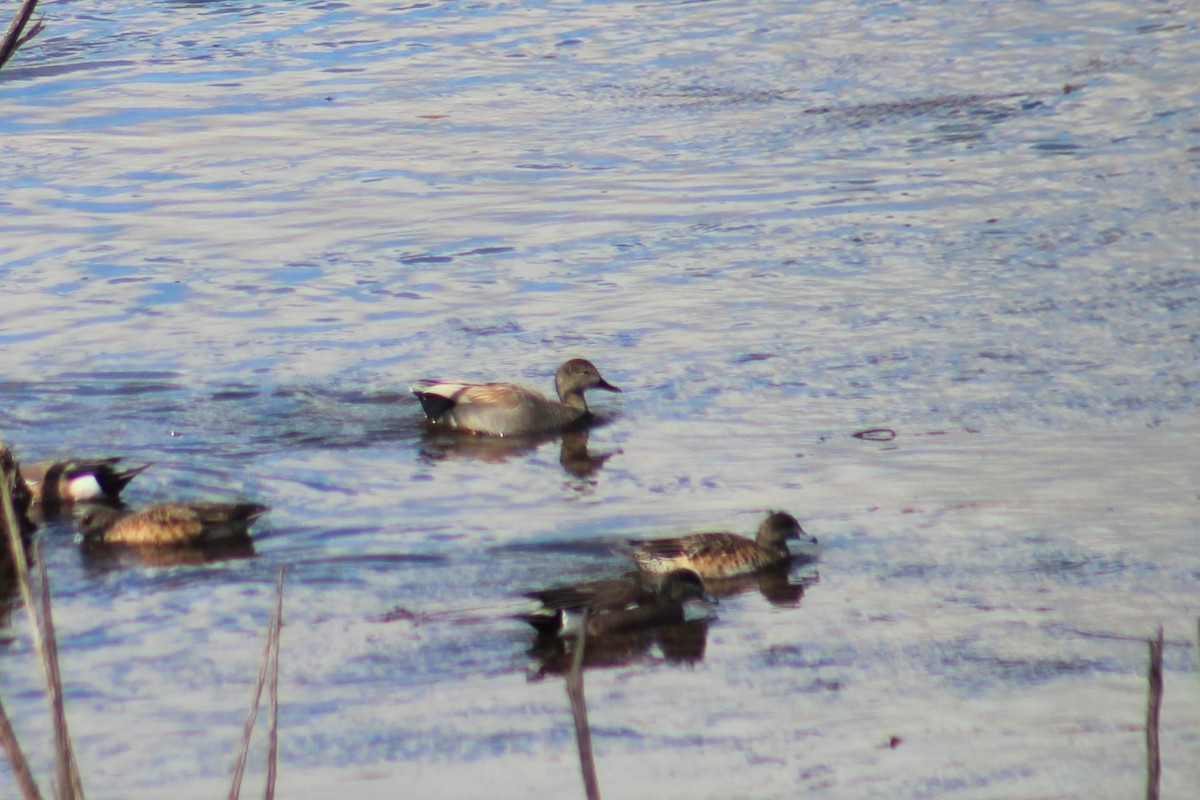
625	618
441	444
101	557
776	584
677	643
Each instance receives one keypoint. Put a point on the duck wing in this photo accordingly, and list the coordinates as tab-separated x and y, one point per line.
444	395
696	545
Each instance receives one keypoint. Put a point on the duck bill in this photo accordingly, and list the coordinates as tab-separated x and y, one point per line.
606	386
801	535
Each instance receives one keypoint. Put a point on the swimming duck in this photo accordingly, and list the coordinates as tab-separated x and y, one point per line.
169	524
55	484
505	409
722	555
618	604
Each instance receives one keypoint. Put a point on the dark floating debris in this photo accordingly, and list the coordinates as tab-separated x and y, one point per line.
746	358
1154	680
425	259
875	435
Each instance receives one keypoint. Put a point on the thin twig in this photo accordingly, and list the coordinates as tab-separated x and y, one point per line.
244	751
13	38
33	31
240	768
1155	678
583	732
273	694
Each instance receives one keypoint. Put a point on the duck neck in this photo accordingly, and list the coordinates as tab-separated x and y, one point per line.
52	488
571	397
770	540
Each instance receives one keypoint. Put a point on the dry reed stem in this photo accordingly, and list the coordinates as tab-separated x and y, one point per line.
16	548
70	786
68	769
272	637
14	38
1155	679
12	526
583	732
273	695
20	767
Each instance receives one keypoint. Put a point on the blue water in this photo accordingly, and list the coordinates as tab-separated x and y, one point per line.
231	235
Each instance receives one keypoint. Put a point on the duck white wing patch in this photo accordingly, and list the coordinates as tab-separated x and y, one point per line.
446	389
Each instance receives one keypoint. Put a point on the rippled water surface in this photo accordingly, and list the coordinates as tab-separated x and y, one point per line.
231	234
